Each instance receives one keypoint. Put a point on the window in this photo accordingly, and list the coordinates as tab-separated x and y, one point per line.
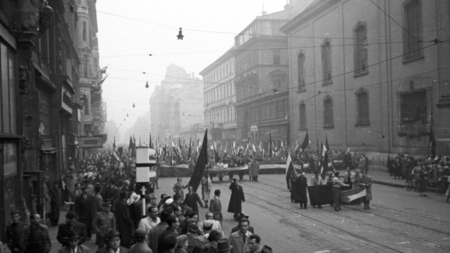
326	61
302	116
276	57
360	49
301	71
84	31
8	123
412	34
328	121
362	108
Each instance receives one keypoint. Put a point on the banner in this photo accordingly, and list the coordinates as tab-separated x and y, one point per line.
353	194
320	194
200	165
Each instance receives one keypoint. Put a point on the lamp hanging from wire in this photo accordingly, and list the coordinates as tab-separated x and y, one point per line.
146	85
180	35
133	105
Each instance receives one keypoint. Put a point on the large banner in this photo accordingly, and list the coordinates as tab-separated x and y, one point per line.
349	196
320	194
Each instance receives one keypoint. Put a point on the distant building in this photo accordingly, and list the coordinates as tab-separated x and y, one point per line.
177	104
371	76
220	98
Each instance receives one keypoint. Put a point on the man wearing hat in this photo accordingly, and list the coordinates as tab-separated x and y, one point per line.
104	222
74	245
140	245
71	225
83	208
223	246
113	239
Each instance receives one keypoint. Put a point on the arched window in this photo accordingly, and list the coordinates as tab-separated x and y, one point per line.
362	108
360	49
301	71
412	34
303	125
326	61
328	119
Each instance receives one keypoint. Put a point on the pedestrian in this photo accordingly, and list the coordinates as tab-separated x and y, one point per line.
255	170
238	239
178	188
212	244
140	246
124	223
37	237
194	240
365	181
317	180
337	191
97	199
83	208
192	199
74	245
216	206
301	184
243	216
173	225
104	222
182	244
71	225
113	240
236	199
156	231
349	177
206	189
215	225
253	242
422	184
150	221
14	233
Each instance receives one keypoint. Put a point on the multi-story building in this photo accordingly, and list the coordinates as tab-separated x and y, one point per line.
371	75
39	80
177	104
220	97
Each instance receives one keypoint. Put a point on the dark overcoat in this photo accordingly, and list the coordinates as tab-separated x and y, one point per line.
301	184
236	199
83	208
124	223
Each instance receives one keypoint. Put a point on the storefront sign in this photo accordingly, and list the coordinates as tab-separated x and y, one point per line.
254	128
66	100
90	142
9	159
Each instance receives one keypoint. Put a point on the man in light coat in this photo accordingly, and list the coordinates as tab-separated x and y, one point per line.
239	239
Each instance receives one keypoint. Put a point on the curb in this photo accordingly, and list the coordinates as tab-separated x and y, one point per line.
400	185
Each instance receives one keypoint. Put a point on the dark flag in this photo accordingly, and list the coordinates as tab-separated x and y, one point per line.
150	145
190	149
432	142
326	143
289	169
120	151
114	144
324	167
201	164
270	144
305	142
130	145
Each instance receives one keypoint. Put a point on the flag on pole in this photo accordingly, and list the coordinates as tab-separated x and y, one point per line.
114	144
201	164
289	169
432	142
150	145
190	149
324	166
305	143
326	142
270	144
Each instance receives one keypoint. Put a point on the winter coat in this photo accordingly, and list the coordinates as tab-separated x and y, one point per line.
301	184
236	199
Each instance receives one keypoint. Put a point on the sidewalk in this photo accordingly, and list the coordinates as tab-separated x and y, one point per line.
383	178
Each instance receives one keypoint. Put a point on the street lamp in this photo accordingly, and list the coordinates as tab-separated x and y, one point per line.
146	85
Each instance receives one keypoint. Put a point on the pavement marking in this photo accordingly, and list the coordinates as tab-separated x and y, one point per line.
402	243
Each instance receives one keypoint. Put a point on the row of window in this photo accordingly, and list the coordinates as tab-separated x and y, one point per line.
273	110
362	111
220	73
219	93
412	46
8	110
223	115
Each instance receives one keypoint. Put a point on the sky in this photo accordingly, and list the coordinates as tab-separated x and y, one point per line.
131	30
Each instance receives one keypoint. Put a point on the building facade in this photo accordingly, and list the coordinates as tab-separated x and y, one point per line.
370	76
40	74
177	104
220	98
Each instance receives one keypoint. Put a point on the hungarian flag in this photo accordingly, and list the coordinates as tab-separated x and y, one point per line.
289	169
189	150
114	144
324	167
353	194
326	142
432	142
201	164
150	145
270	144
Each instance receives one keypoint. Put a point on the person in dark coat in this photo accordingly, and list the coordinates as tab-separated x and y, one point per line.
140	236
157	230
301	184
113	242
37	236
192	199
173	225
55	203
236	199
124	223
71	225
83	208
14	233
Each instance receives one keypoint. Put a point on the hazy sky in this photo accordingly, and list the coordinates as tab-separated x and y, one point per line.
131	30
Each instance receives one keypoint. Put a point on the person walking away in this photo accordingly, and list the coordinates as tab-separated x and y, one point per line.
238	240
216	206
124	223
192	199
104	222
37	237
365	181
71	225
113	240
317	180
14	233
301	184
206	189
140	246
83	208
236	199
74	246
337	191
